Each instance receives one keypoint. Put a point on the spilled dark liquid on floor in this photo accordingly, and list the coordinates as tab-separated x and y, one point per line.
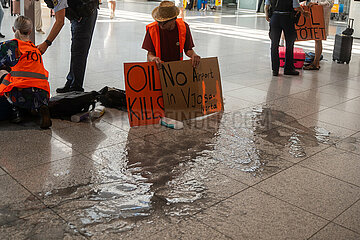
151	184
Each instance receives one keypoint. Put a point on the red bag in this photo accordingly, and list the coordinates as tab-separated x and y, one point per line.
299	57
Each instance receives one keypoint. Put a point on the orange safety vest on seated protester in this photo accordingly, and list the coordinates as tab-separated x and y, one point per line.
28	72
153	29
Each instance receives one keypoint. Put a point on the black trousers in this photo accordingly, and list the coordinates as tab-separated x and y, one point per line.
279	23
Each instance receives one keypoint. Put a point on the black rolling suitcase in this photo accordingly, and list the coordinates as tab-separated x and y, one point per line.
343	45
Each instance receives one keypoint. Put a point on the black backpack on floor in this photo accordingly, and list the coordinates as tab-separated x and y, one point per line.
67	104
113	98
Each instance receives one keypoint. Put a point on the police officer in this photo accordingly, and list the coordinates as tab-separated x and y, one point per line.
82	29
281	18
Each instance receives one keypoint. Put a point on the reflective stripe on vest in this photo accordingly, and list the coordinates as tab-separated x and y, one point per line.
5	82
28	74
153	29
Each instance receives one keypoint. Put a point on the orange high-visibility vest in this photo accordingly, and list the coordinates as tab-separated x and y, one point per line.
153	29
28	72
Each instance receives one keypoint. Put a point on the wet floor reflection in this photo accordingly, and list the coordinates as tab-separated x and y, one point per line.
169	175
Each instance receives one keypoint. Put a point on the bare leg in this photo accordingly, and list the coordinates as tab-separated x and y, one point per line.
318	51
112	6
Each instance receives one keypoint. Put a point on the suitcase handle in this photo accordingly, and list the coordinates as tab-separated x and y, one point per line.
351	23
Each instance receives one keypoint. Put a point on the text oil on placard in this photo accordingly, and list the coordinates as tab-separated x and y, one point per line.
143	93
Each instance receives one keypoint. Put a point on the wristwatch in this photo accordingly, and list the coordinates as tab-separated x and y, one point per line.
48	42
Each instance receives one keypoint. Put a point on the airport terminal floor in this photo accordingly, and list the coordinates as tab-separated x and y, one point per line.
281	162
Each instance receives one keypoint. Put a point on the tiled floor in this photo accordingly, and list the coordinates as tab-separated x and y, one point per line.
281	162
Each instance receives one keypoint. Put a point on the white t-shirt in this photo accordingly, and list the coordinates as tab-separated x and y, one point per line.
59	5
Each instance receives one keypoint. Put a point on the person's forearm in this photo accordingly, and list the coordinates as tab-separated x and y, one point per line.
266	10
190	53
150	56
59	23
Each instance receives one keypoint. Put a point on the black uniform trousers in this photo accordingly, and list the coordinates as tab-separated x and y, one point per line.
282	22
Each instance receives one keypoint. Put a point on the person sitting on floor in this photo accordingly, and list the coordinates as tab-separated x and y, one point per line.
23	78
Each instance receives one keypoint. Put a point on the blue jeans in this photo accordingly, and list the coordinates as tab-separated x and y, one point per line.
81	36
279	23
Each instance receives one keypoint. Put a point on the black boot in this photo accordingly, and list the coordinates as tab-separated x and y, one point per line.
16	116
45	120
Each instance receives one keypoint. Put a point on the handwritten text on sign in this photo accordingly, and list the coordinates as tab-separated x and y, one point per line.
143	93
191	92
313	27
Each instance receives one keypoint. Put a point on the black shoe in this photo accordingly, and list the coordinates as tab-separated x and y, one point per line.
275	73
45	120
77	89
64	89
16	116
2	36
291	72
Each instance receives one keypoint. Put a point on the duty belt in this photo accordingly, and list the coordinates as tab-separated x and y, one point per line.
282	13
28	74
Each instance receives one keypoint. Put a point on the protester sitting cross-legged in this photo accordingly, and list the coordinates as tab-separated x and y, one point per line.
25	81
168	37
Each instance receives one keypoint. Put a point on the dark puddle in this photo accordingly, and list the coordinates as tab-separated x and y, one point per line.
154	185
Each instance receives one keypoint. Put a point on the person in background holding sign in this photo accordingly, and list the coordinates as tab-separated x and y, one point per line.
281	18
82	15
24	80
168	37
327	5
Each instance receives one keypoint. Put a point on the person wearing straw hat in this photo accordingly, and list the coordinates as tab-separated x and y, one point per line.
168	37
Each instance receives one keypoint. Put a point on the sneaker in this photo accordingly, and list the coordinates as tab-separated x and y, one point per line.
291	72
45	120
2	36
40	31
275	73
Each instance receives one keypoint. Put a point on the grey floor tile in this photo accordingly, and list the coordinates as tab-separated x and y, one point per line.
336	163
254	95
335	232
62	180
339	91
263	168
324	132
350	218
295	107
16	202
187	230
232	104
351	144
322	195
339	118
2	172
282	87
315	97
36	148
352	106
87	137
254	215
42	225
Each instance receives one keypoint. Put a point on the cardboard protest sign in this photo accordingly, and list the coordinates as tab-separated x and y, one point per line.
191	92
143	93
313	27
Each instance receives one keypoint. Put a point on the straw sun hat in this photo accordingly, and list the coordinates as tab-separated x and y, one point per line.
165	11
